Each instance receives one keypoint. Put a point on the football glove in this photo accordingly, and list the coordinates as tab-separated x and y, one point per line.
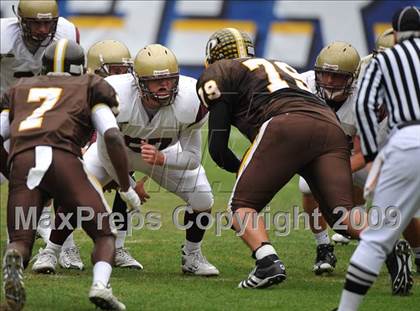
132	199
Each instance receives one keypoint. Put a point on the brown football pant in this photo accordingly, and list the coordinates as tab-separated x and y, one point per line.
290	144
68	184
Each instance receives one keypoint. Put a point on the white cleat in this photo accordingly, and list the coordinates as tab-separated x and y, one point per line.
340	239
195	263
70	258
102	297
46	262
123	259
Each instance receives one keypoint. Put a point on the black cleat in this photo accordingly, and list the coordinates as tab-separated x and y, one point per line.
325	259
268	271
399	268
14	290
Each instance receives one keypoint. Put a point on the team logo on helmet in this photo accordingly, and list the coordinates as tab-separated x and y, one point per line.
228	43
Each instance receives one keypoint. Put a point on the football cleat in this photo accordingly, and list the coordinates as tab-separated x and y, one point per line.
46	262
123	259
70	258
340	239
195	263
325	259
399	268
268	271
102	297
14	290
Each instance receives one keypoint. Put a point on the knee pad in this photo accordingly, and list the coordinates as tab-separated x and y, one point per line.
303	186
201	201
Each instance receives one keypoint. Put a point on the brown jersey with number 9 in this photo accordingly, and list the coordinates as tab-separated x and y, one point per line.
257	89
55	111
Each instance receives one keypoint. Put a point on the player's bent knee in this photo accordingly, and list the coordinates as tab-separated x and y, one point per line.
201	201
303	186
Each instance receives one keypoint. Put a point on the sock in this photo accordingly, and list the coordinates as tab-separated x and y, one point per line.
358	282
119	206
416	251
119	241
349	301
194	233
190	247
55	248
69	242
102	272
322	237
265	250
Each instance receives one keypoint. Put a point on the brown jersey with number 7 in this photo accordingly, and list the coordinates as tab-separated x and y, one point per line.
55	112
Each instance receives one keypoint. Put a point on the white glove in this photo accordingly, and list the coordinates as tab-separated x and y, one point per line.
132	199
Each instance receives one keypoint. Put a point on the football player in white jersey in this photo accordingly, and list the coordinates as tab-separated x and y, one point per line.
105	58
161	117
24	39
340	58
333	79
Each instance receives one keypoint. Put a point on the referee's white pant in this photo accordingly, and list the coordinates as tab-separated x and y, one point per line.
399	187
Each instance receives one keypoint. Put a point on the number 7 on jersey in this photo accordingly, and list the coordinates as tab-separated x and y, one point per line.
48	98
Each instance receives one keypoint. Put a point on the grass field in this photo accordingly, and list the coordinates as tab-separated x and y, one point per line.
162	286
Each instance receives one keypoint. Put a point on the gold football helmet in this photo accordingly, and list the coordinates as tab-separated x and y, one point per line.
384	41
228	43
157	62
336	67
38	20
109	57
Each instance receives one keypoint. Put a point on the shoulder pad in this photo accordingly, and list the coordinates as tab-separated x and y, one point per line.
127	92
186	104
9	32
65	29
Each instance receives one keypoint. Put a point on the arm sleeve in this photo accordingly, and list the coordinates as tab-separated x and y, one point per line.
103	119
5	124
189	157
366	108
219	131
103	93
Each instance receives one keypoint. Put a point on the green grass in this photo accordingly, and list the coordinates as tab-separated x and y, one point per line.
162	286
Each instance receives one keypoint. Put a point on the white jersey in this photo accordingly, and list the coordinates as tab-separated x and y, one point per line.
179	122
16	59
345	113
174	128
167	124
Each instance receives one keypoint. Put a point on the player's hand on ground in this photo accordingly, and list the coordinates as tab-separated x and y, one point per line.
152	155
139	188
132	199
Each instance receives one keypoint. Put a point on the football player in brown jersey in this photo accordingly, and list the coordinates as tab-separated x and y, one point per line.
293	132
49	119
23	41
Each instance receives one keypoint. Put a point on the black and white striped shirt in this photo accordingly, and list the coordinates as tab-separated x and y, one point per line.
393	77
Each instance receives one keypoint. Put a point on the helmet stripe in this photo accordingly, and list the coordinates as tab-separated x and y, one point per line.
240	43
60	55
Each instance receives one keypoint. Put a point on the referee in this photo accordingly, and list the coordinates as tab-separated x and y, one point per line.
393	77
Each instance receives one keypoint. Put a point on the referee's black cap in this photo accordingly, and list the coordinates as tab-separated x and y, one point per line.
406	19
